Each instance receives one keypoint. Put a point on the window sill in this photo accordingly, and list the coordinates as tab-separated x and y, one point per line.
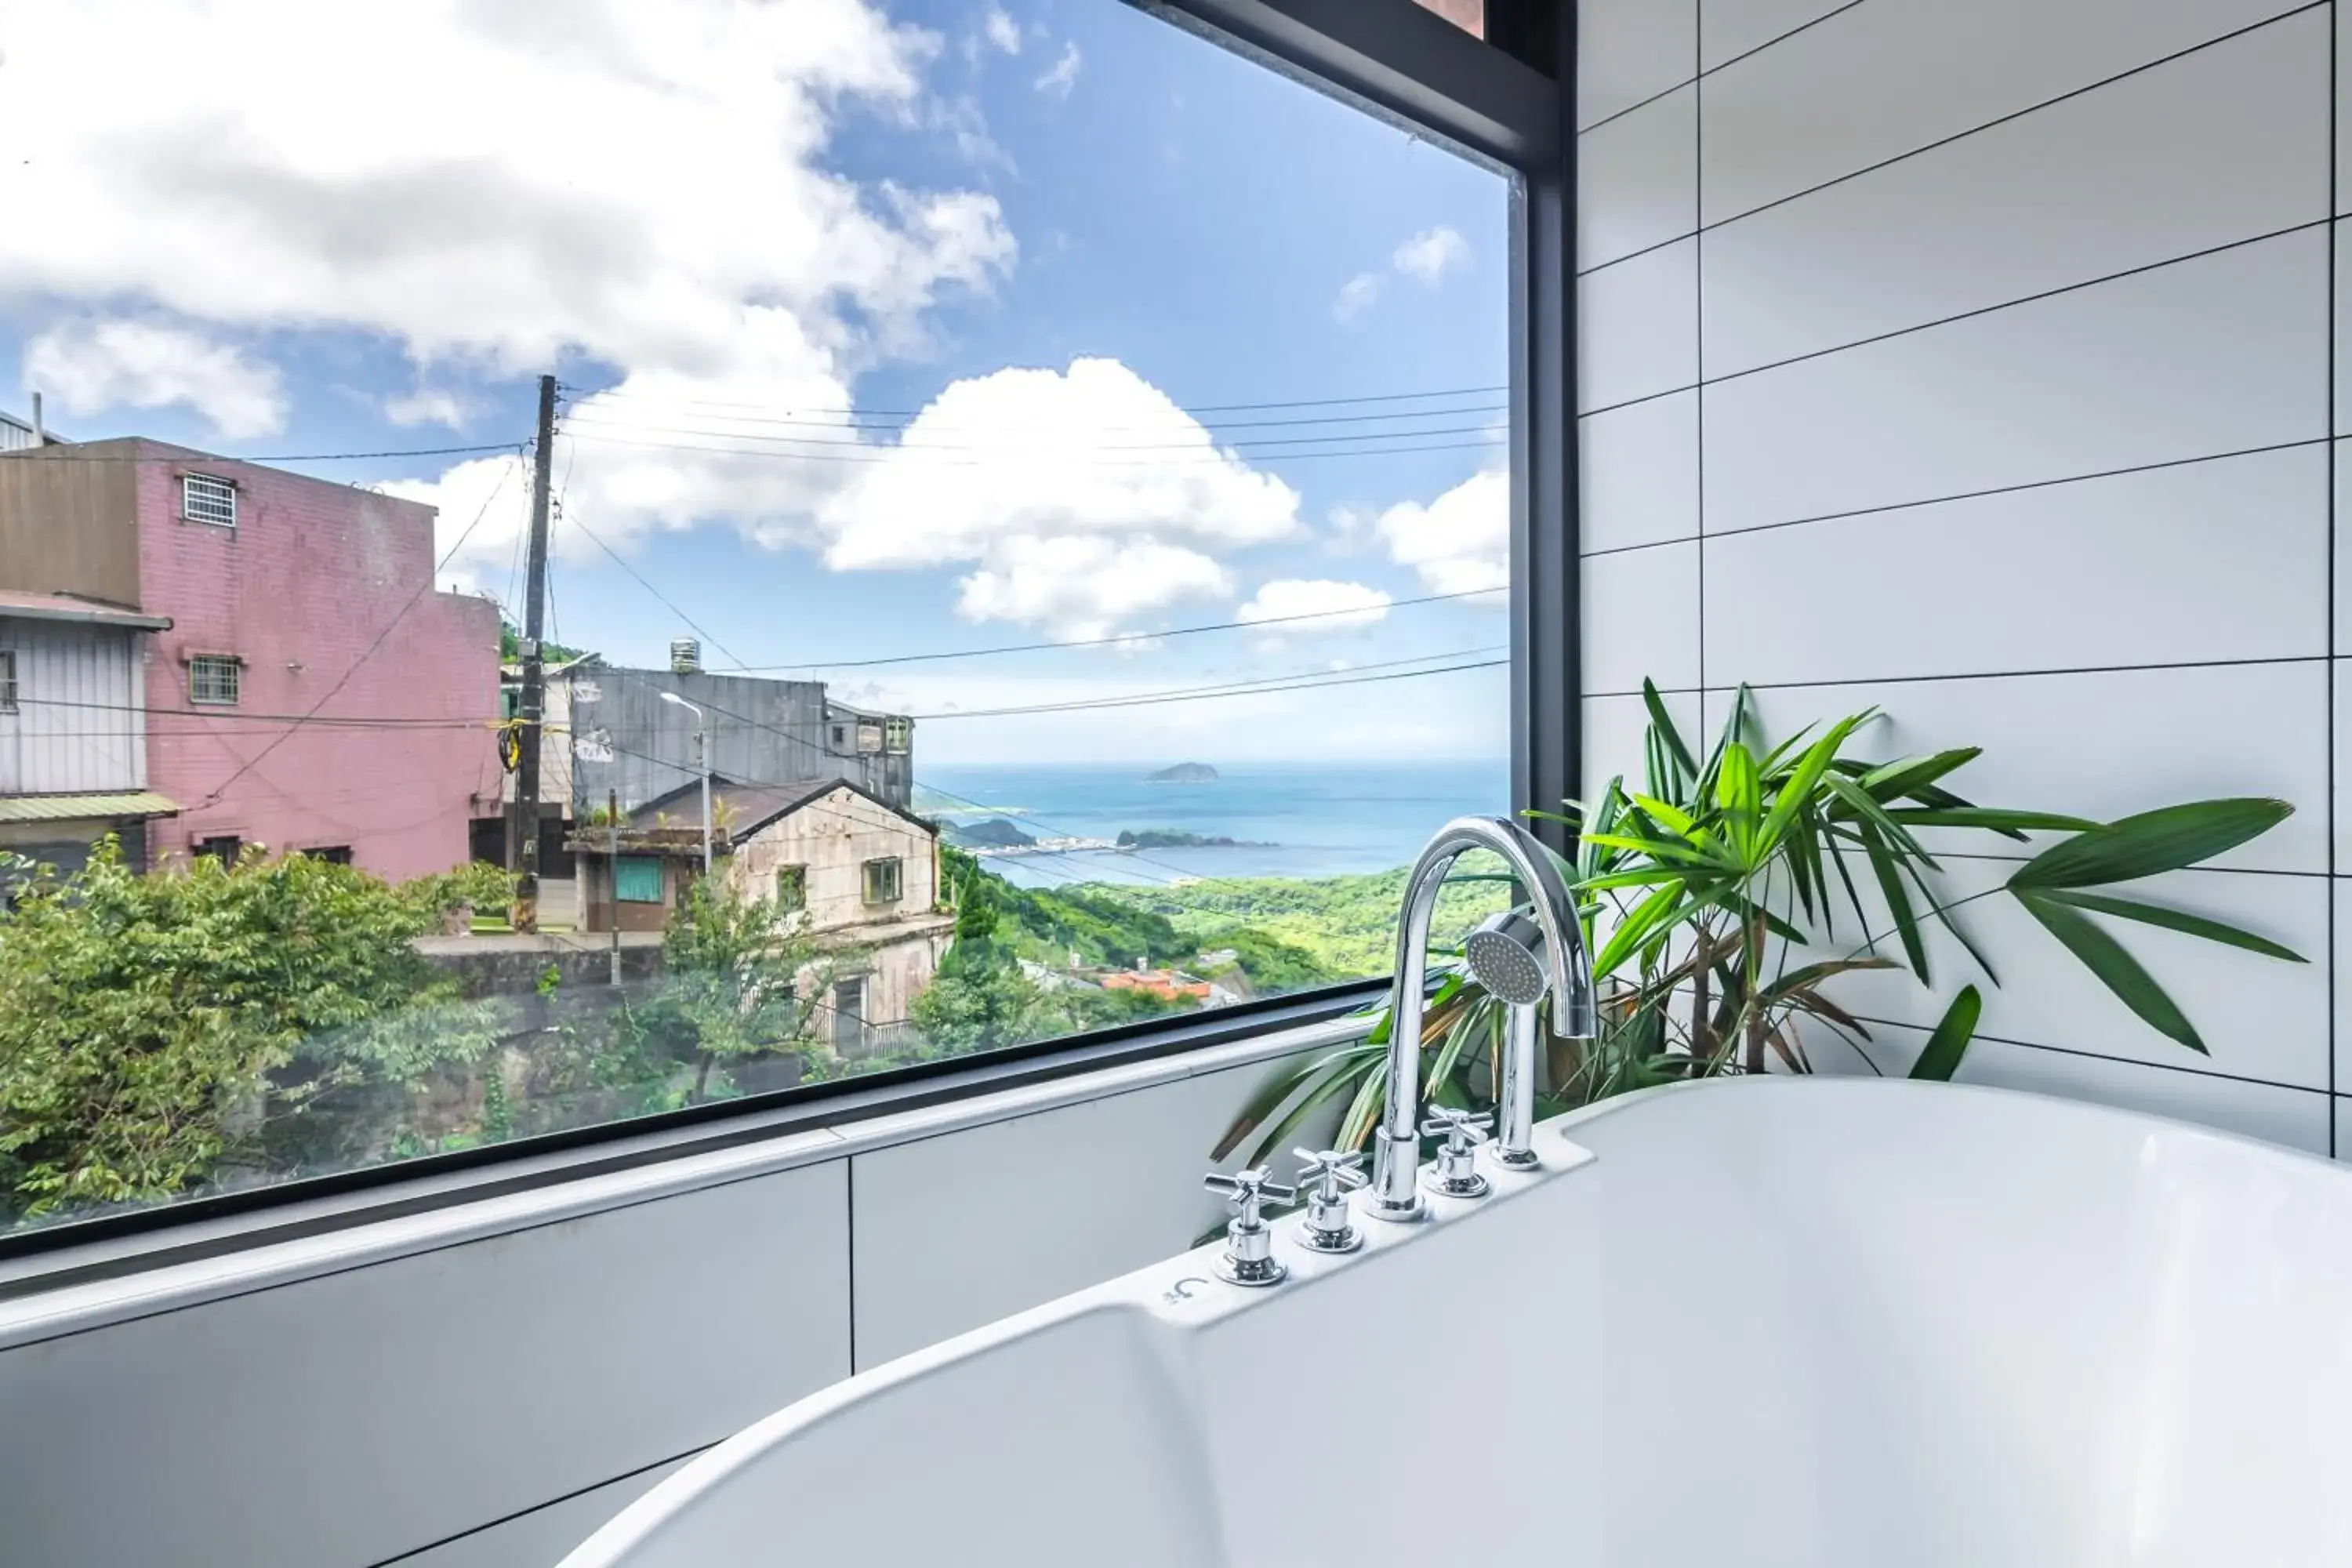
84	1276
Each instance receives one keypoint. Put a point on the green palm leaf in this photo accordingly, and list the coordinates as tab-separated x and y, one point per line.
2151	843
1940	1059
2117	970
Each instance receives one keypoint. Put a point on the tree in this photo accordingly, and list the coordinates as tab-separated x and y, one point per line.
741	981
148	1021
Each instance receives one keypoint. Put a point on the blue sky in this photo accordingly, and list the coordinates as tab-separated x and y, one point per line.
860	205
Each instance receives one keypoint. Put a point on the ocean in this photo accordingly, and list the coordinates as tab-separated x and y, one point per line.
1291	821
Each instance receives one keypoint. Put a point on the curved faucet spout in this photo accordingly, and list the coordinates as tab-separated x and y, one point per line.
1567	973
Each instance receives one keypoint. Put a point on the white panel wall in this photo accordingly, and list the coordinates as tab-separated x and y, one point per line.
1980	361
489	1401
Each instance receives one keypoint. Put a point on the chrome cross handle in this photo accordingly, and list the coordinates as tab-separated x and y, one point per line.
1249	1257
1331	1174
1456	1176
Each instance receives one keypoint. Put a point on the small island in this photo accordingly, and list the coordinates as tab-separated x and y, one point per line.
1184	772
995	833
1171	838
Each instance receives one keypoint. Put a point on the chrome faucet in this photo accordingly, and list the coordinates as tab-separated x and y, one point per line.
1520	960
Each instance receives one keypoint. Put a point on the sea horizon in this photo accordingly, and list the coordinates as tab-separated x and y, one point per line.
1291	820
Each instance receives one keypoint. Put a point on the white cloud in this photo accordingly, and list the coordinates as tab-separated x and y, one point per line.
1059	81
429	405
1460	542
1334	606
1085	587
198	157
1356	295
1431	254
1425	258
92	366
1085	499
1001	30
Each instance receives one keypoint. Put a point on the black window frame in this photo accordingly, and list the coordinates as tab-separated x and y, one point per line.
8	693
1495	103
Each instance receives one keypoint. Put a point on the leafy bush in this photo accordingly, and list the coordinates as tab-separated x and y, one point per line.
148	1020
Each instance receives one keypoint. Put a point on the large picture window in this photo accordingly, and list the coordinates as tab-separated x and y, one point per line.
1028	552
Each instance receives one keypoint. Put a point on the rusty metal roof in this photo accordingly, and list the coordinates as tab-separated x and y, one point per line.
78	807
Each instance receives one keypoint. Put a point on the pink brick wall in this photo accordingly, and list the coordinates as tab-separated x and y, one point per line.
313	572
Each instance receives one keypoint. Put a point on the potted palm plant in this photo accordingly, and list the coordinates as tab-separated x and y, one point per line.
1724	899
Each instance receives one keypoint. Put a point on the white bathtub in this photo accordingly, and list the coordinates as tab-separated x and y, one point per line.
1772	1322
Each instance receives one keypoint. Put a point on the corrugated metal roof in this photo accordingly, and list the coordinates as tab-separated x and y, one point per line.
84	612
74	807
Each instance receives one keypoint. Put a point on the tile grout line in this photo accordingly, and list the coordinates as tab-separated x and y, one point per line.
1699	241
1617	114
2019	489
1698	317
2122	1061
1995	674
2334	979
2030	109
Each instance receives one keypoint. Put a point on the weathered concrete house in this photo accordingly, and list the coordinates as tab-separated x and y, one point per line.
861	875
641	747
276	595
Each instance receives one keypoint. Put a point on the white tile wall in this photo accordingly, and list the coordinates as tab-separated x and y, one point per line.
540	1539
353	1418
1639	328
2015	425
1639	473
1628	50
2296	1117
2201	562
504	1396
1641	619
1613	731
1728	28
1906	74
1637	185
2343	119
2222	353
2342	420
2207	150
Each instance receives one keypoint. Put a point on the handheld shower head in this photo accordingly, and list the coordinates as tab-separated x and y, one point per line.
1506	955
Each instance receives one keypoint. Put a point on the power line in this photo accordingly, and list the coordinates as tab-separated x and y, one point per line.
851	422
1124	638
1197	408
380	637
649	588
1202	696
50	454
725	779
788	735
576	424
885	454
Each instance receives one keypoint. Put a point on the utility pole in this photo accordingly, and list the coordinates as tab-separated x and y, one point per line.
612	875
534	671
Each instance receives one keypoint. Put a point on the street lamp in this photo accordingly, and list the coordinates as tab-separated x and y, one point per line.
702	760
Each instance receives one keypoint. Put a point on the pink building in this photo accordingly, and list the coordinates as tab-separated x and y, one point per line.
284	594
